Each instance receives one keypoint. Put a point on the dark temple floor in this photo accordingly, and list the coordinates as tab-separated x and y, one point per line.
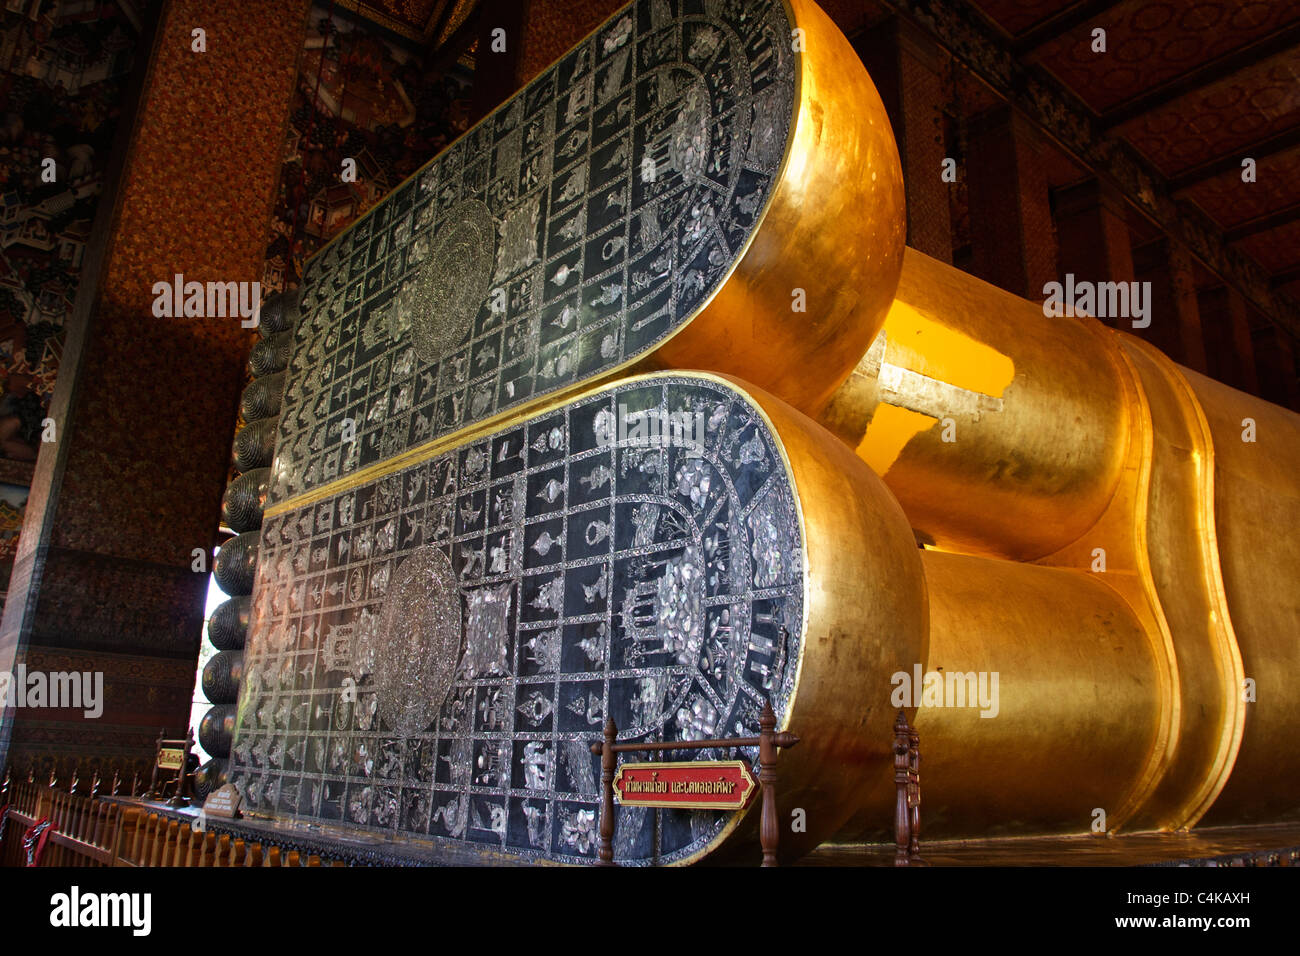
1221	846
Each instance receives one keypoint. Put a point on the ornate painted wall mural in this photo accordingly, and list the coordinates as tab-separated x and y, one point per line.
365	96
63	72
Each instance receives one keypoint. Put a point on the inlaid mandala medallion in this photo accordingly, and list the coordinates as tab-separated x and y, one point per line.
418	641
449	289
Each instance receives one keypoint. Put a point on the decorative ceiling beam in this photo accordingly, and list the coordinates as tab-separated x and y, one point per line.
1067	121
1278	143
443	18
1058	24
1286	277
1204	75
1253	227
461	40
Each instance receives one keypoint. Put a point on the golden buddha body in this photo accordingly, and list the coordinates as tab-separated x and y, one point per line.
1097	630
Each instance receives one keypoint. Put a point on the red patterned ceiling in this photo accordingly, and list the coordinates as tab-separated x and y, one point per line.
1276	250
1193	85
1018	16
1225	117
1149	42
1230	202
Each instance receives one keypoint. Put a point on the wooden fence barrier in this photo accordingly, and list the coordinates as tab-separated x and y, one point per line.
156	840
88	831
92	832
84	831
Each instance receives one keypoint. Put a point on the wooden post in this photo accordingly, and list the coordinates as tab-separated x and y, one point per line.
117	781
134	851
179	855
165	845
81	823
106	815
769	830
902	817
179	799
153	780
608	760
914	795
44	799
157	837
124	835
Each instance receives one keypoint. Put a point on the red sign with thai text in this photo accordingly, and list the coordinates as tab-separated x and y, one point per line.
696	784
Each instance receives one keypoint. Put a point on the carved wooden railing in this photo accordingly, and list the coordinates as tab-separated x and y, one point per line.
83	831
907	785
156	840
87	831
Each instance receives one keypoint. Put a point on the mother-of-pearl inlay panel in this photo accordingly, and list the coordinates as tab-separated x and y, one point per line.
433	652
568	233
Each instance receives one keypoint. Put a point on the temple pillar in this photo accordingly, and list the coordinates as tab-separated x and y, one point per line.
496	77
1275	366
906	67
1013	244
1229	351
1092	234
1175	317
144	407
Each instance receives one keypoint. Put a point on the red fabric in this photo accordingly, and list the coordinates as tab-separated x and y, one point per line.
34	840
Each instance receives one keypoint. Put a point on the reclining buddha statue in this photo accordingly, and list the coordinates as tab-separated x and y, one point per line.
631	405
